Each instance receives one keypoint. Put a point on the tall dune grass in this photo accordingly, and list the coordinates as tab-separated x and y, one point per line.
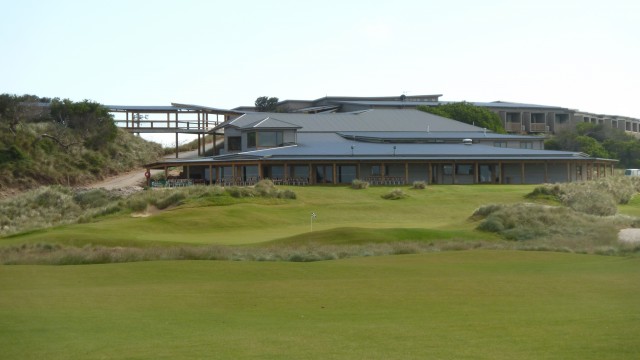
597	197
58	205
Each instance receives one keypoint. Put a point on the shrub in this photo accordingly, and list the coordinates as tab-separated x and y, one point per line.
395	194
491	224
553	226
92	198
287	194
359	184
265	187
419	185
486	210
137	204
240	192
172	199
596	197
546	191
590	201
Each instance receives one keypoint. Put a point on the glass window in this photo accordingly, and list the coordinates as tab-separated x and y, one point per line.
234	143
526	145
375	170
464	169
500	144
346	173
447	169
251	139
269	138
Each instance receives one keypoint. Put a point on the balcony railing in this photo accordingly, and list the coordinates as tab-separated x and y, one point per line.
539	127
514	127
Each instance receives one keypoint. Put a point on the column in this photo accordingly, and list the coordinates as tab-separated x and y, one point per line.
406	173
546	171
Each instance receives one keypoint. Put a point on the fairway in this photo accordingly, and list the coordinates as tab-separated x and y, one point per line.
452	305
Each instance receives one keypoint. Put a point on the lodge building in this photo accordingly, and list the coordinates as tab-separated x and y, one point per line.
384	146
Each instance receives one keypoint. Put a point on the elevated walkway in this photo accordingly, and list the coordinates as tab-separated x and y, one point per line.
175	119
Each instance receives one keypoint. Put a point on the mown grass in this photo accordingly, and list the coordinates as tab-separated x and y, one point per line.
452	305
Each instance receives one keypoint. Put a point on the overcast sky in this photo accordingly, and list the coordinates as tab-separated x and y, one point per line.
579	54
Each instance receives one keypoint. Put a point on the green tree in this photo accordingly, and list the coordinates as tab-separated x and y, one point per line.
266	104
87	119
591	146
600	141
467	113
16	110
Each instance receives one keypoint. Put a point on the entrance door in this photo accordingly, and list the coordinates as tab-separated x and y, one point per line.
324	174
488	174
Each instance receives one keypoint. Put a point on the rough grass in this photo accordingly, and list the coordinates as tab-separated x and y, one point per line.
555	227
451	305
597	197
54	205
57	205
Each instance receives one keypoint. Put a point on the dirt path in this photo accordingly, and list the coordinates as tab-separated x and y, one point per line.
128	179
135	178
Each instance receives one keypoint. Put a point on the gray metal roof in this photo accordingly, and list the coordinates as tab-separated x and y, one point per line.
375	120
397	103
174	107
506	104
272	123
141	108
409	104
317	109
404	135
314	146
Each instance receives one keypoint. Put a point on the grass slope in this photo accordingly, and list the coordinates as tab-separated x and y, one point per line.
453	305
439	211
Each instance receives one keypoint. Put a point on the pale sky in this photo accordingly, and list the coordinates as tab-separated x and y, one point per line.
579	54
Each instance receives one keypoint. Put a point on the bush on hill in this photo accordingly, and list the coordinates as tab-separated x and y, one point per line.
47	142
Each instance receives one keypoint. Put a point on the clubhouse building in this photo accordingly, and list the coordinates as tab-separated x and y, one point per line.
385	146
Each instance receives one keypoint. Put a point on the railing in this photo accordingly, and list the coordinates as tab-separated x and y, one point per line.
514	127
163	124
171	183
227	181
539	127
385	180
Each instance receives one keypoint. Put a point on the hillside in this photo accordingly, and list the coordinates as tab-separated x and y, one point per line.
51	141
